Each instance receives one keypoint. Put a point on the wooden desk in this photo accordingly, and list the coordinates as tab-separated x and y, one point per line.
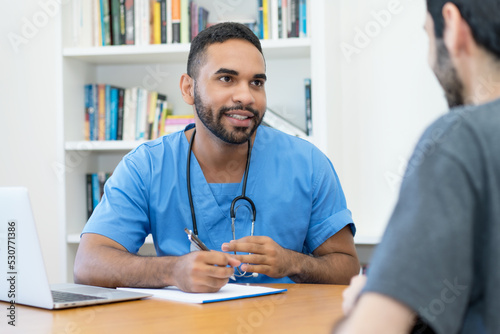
304	308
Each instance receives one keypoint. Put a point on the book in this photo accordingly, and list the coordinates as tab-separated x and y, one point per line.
176	21
97	32
284	19
265	16
185	22
274	18
227	292
129	22
122	22
107	112
129	113
105	24
121	102
302	19
113	113
307	86
115	22
101	107
278	122
163	21
260	15
174	123
156	22
138	22
90	197
169	21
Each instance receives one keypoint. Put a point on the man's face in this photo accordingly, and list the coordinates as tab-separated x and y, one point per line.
443	68
229	94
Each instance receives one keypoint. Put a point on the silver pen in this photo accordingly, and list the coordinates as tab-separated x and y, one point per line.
198	244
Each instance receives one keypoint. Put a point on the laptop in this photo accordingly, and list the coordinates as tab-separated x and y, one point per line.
22	271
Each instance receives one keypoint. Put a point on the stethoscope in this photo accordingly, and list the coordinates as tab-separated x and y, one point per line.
233	209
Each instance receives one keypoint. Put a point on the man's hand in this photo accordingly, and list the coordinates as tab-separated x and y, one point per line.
203	271
351	294
266	256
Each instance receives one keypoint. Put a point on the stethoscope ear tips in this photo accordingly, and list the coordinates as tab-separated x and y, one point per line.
255	274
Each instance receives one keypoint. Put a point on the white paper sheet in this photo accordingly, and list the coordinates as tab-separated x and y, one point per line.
227	292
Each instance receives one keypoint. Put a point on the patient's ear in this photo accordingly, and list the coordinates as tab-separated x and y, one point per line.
457	34
187	89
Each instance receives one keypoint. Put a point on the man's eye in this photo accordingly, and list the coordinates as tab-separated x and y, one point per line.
225	79
258	83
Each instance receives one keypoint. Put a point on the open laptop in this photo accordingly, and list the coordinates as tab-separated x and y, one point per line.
23	279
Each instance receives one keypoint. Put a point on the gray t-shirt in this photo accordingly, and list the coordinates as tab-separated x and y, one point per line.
440	254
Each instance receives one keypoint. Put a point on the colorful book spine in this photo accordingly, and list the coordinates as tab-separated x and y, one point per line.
122	22
265	15
260	14
107	107
105	23
156	22
113	113
163	19
115	22
129	22
308	106
185	22
101	105
169	21
303	19
176	21
121	103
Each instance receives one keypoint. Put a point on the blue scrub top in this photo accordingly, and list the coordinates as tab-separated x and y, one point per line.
297	194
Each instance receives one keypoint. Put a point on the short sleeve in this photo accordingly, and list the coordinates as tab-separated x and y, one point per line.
329	208
425	259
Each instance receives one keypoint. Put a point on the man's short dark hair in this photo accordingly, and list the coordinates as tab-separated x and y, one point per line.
482	16
218	33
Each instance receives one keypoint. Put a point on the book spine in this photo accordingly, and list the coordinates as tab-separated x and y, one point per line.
121	102
107	112
122	22
163	17
129	113
101	134
303	19
260	15
176	21
185	21
87	112
90	198
169	21
138	21
145	22
284	19
115	21
156	22
307	85
265	14
106	25
113	112
129	22
274	19
97	31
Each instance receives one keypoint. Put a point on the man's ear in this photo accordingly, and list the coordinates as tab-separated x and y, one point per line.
457	35
187	89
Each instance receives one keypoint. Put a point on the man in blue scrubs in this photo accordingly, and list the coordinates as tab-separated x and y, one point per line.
303	229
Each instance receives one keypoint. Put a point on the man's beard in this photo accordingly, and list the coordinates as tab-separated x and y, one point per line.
447	76
214	123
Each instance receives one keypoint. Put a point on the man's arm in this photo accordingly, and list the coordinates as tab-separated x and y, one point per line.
335	261
103	262
376	313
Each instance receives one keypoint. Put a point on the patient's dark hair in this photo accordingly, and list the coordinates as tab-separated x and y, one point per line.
482	16
218	33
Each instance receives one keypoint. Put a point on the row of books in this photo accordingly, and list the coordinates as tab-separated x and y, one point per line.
282	19
95	189
143	22
137	22
115	113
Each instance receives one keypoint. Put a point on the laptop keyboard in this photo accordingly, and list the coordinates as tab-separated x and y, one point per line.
65	297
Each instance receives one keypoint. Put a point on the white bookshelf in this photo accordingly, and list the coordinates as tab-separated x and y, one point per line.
288	61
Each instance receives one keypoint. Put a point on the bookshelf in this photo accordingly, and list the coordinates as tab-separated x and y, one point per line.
159	67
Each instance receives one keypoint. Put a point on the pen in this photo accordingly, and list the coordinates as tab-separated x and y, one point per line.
198	244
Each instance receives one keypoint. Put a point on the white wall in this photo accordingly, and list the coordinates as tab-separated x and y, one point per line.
389	95
28	116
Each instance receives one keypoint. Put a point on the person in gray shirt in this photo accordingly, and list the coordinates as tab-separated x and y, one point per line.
436	269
